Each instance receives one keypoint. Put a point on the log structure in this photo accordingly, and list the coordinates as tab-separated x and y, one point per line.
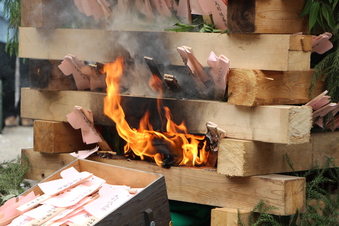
270	66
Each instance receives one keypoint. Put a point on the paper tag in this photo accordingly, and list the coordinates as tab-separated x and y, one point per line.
57	186
33	203
108	201
21	220
91	221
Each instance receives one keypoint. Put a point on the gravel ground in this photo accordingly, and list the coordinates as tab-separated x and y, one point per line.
13	139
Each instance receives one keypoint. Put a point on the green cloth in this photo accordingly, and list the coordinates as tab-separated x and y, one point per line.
190	214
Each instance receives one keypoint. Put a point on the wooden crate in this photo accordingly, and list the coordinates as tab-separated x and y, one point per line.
151	204
199	184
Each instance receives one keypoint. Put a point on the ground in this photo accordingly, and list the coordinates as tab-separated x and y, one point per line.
13	139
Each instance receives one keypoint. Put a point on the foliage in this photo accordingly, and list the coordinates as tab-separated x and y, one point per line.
12	178
322	187
323	15
198	25
12	9
328	68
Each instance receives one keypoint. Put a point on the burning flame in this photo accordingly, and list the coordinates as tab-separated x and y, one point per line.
174	147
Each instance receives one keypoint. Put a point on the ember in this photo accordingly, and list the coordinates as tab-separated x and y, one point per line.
174	146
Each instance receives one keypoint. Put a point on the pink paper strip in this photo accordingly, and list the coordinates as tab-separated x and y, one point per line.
321	43
77	121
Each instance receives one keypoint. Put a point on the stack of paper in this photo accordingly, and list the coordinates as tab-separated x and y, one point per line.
78	198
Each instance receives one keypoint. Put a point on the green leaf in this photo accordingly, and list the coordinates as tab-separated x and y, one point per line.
294	219
306	9
334	4
319	22
326	11
314	13
202	30
328	15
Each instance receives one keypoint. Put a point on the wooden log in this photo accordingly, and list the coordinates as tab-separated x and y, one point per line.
46	13
248	158
43	165
57	137
259	52
45	75
275	124
262	16
197	185
230	217
255	87
325	145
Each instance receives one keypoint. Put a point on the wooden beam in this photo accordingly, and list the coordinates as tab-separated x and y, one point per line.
57	137
229	217
262	16
325	145
248	158
45	75
197	185
248	87
43	165
260	52
46	13
276	124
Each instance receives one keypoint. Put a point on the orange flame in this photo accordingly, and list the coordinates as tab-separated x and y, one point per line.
144	141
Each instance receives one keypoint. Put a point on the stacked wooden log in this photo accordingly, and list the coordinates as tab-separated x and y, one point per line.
265	119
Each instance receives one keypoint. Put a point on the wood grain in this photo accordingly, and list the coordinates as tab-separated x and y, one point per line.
275	124
266	16
248	158
57	137
197	185
229	217
261	52
255	87
45	13
45	75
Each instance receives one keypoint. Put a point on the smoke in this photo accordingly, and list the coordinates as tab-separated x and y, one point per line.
137	32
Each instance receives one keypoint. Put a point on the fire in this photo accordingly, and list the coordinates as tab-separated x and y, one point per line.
172	147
